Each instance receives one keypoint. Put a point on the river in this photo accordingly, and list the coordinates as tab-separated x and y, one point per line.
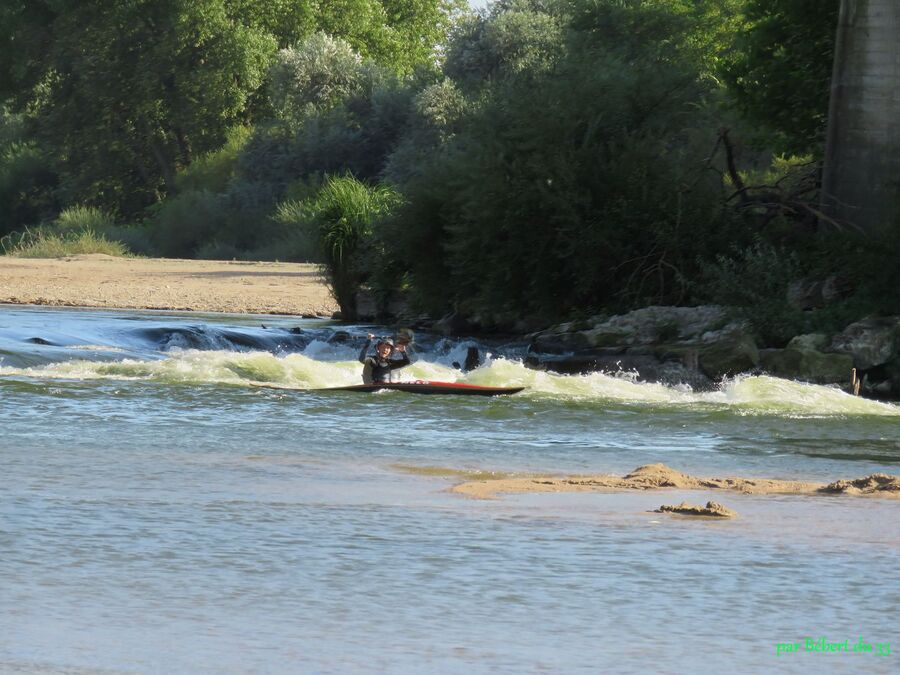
160	514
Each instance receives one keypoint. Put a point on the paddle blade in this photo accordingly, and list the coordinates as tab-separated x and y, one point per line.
404	336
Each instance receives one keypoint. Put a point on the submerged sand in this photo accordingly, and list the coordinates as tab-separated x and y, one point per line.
160	283
660	476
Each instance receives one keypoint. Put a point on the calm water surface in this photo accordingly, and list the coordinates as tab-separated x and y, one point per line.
159	514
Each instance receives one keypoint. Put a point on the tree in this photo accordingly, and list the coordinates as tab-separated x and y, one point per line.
780	70
26	181
123	94
574	180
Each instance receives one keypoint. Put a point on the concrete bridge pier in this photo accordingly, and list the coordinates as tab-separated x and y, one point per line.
861	181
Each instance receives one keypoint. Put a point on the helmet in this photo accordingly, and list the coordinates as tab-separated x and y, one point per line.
385	341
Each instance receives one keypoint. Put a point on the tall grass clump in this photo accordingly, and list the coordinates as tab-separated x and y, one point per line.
342	218
83	218
43	243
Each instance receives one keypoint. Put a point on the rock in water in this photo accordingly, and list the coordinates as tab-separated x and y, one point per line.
713	509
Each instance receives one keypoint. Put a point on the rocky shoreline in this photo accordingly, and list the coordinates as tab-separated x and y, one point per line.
699	346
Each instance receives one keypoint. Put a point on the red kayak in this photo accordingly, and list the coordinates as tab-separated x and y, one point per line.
431	387
415	387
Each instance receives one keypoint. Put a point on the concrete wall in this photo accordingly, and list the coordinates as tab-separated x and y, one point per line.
862	159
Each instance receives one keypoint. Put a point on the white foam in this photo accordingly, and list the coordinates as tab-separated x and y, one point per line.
744	395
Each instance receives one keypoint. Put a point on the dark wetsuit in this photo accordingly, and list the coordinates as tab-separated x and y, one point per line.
377	370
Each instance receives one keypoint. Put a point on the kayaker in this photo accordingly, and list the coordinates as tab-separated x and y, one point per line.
377	369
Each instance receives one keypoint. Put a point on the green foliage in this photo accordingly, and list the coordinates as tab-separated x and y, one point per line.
297	241
342	217
26	181
187	221
514	37
781	69
42	243
136	238
215	169
100	225
289	21
317	75
26	186
123	94
866	263
553	155
337	113
399	34
754	281
695	33
437	114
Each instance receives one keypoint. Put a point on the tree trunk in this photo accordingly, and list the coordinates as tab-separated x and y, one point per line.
166	166
861	181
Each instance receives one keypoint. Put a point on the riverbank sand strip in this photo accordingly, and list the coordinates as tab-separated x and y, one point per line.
162	283
659	476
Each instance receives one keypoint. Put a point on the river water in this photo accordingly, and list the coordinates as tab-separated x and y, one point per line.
159	514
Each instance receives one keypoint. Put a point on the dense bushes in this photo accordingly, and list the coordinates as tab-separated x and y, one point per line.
554	197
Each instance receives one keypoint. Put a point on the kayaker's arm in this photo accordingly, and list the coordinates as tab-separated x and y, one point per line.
365	349
402	361
399	363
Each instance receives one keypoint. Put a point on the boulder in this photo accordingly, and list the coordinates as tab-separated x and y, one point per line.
893	371
554	342
732	354
808	365
712	509
646	326
452	324
807	294
814	341
872	342
652	325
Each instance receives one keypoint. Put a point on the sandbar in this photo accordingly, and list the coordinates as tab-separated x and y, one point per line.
660	476
98	280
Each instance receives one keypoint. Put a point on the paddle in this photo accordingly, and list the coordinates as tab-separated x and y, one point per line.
404	336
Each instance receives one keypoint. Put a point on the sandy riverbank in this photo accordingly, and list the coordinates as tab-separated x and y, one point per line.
161	283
